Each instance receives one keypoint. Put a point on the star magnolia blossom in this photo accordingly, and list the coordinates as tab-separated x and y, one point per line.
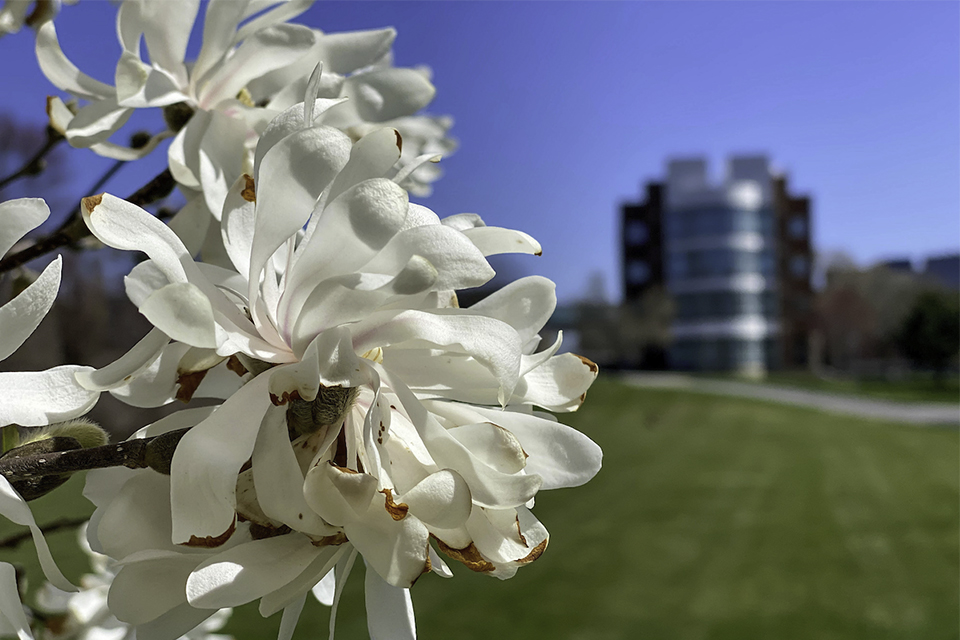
247	71
85	614
340	316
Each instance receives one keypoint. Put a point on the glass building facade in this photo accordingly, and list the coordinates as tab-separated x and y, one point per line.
734	255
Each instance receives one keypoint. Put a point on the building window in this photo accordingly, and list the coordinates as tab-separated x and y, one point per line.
798	266
638	272
797	228
636	233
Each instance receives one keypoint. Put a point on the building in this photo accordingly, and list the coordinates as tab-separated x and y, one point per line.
735	257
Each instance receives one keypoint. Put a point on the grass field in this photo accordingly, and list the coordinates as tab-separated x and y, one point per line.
713	518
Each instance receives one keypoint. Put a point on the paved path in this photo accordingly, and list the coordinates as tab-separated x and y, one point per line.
927	413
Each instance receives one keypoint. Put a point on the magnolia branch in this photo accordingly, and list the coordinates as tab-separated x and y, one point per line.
74	229
35	164
140	453
12	542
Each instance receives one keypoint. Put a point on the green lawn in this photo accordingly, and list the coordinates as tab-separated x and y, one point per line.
712	518
916	388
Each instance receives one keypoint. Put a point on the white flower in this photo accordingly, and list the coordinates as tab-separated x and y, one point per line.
230	57
85	615
340	290
245	74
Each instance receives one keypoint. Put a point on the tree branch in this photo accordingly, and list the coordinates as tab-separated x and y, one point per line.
12	542
35	164
140	453
74	229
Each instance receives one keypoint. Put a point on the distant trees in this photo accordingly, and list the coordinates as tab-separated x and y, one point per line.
930	334
875	321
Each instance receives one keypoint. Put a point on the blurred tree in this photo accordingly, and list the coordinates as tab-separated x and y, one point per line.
930	334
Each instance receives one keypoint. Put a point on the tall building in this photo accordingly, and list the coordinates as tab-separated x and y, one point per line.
734	256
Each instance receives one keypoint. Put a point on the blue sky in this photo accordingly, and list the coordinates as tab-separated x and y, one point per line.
563	110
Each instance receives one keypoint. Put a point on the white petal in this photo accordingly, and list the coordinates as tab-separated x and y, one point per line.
183	156
496	240
458	263
397	550
323	590
96	122
559	384
320	566
248	571
156	385
559	454
288	122
291	614
144	591
492	444
207	461
278	480
371	157
338	496
62	73
488	486
121	225
137	518
166	30
219	28
260	53
11	610
16	510
329	361
237	226
442	499
173	624
284	11
346	52
292	175
221	158
384	94
184	313
36	398
463	221
389	610
18	217
349	232
120	152
20	316
121	371
525	304
191	224
493	343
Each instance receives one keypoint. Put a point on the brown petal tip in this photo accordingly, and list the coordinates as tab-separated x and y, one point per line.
92	202
397	511
399	141
210	542
536	553
590	364
469	556
234	364
188	384
249	193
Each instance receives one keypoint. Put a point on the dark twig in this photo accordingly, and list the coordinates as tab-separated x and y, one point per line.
12	542
139	453
35	164
74	229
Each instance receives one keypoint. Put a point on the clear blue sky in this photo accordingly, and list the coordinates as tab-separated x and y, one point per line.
563	109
